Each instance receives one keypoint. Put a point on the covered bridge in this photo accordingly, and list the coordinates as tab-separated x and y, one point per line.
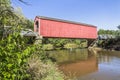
47	27
58	28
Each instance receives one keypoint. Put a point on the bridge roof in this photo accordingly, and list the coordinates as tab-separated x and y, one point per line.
66	21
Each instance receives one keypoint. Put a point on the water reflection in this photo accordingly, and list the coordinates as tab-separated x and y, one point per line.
87	65
67	56
75	63
108	67
80	68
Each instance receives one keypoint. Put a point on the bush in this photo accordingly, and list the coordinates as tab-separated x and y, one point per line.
13	56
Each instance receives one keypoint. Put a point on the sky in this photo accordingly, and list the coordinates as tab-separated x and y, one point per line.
105	14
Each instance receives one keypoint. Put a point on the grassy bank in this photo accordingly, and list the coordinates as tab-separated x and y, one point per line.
65	46
43	69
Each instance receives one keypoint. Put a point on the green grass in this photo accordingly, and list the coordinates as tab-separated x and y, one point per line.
48	47
43	70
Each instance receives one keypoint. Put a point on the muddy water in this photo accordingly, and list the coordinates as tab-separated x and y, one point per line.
83	64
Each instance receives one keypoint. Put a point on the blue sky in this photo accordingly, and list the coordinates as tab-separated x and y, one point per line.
105	14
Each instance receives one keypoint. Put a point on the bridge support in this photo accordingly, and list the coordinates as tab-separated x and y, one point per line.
91	42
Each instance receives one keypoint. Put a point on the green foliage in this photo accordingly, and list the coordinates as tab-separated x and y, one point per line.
12	17
78	41
110	32
47	47
59	43
20	61
30	24
70	45
6	13
56	42
40	52
13	56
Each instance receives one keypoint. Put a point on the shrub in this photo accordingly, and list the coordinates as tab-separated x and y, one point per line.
13	56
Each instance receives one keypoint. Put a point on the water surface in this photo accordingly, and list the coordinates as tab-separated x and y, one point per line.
83	64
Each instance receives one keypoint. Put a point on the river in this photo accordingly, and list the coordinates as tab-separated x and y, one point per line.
82	64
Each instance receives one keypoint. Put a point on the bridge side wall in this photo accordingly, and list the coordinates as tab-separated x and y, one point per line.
49	28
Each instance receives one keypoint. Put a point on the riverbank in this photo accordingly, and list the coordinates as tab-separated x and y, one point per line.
100	49
110	44
49	47
40	69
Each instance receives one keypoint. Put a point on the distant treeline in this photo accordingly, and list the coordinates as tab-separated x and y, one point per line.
109	39
110	32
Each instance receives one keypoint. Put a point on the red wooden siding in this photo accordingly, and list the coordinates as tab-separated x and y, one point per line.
62	29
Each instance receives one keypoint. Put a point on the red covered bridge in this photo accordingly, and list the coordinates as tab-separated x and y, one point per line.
58	28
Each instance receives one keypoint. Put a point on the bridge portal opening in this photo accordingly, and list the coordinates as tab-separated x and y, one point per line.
37	26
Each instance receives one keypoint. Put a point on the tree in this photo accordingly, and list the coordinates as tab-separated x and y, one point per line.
101	31
118	27
6	15
6	12
12	17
